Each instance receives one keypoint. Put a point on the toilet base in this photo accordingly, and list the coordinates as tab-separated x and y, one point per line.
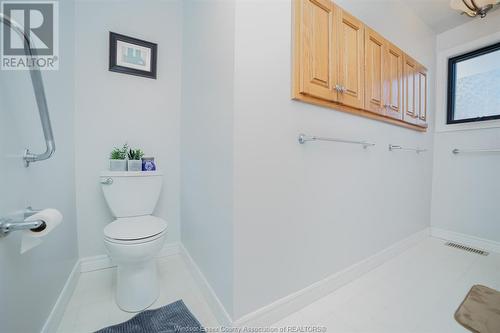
137	285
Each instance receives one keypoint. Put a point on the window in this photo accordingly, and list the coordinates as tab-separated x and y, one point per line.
474	86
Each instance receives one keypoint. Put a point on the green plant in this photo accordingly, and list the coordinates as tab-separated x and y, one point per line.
119	153
136	154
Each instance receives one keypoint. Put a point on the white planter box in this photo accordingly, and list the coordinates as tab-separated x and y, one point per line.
118	165
134	165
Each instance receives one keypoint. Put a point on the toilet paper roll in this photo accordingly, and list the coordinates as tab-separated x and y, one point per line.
51	217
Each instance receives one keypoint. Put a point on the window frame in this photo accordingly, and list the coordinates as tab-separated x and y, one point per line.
450	112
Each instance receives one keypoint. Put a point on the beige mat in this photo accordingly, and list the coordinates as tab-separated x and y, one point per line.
480	310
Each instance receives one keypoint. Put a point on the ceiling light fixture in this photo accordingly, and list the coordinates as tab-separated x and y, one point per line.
474	8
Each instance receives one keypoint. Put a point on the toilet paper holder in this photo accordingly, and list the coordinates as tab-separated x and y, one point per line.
9	224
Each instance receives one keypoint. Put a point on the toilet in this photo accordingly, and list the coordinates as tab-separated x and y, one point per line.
135	237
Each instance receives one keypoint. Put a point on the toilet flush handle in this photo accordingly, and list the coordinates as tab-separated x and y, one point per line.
107	181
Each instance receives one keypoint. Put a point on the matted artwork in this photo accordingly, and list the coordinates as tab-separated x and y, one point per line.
132	56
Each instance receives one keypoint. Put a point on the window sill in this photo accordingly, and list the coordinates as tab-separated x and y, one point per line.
443	127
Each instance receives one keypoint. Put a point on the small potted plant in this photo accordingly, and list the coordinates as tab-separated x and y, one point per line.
118	159
134	159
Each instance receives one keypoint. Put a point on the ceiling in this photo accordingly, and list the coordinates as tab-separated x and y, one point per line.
437	14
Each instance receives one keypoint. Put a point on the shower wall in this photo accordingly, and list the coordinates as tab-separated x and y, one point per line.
30	283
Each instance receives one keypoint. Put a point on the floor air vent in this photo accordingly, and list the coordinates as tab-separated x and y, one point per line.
467	248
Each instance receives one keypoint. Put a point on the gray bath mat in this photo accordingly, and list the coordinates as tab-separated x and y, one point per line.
171	318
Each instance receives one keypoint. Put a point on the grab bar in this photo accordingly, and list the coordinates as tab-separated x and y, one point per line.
460	151
304	138
41	101
396	147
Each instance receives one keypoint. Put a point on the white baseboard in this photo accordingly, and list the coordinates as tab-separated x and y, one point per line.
285	306
57	312
84	265
103	261
95	263
472	241
264	316
213	301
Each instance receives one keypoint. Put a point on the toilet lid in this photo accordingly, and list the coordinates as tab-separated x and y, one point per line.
132	228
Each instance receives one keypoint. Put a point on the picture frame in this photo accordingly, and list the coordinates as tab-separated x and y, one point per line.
133	56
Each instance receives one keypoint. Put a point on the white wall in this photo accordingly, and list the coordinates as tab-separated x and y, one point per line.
302	213
465	187
30	283
207	141
112	108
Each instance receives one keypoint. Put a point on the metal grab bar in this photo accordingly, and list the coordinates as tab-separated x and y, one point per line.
396	147
41	101
303	138
460	151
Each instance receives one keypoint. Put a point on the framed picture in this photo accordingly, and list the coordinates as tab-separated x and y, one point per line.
132	56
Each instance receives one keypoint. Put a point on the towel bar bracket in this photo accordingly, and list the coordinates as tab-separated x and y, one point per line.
397	147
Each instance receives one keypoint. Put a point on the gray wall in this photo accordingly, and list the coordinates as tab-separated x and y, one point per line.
302	213
30	283
206	141
466	187
114	108
292	215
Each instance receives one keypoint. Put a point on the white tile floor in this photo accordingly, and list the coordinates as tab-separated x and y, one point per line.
92	305
418	291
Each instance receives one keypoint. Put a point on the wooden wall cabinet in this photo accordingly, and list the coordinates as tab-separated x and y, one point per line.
319	73
393	81
350	55
374	72
340	63
410	91
422	96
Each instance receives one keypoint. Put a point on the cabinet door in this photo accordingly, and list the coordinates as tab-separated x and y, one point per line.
393	81
410	92
351	60
318	71
422	96
374	66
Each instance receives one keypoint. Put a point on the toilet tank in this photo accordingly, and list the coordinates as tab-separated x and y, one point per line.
131	193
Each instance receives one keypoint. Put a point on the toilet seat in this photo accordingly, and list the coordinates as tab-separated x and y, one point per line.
135	241
133	230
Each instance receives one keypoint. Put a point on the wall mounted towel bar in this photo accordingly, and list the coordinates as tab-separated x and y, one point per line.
303	138
461	151
396	147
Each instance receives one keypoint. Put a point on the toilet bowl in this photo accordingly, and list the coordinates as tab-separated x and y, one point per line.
135	237
133	244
